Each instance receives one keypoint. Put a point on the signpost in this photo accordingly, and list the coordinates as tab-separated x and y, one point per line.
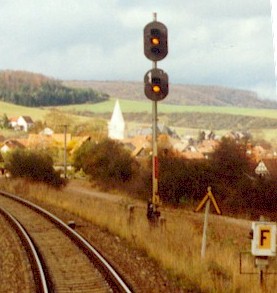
207	197
261	169
263	245
206	200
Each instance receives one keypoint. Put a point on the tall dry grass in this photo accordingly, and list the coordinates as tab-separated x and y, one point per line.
176	246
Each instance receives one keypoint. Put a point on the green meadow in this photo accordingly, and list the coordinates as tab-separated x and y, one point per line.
128	106
12	110
36	114
141	106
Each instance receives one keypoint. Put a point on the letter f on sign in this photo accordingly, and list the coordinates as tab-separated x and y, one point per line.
265	238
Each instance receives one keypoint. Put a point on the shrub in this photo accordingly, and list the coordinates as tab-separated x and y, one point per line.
230	162
180	178
33	165
108	162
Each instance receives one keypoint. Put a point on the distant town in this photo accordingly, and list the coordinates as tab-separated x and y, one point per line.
138	141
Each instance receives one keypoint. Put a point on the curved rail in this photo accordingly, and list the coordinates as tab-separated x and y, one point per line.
115	281
37	267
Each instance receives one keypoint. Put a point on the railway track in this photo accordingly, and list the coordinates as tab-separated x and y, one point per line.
61	260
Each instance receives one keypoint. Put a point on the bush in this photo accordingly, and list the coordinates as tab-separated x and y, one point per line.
230	162
108	162
182	179
33	165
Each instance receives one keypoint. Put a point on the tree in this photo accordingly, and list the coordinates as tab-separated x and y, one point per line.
37	127
5	121
81	154
180	178
34	90
96	129
33	165
230	162
56	120
107	162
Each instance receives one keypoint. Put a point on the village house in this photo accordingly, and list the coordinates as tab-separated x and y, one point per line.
138	145
47	131
207	147
21	123
11	144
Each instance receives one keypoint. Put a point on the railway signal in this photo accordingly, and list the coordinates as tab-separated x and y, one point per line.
155	41
155	89
156	84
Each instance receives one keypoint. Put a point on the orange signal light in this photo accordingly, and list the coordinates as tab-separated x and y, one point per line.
156	89
155	41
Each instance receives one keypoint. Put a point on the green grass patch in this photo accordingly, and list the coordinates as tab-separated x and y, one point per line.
14	110
128	106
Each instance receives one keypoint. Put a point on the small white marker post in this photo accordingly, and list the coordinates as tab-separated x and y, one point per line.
204	237
207	200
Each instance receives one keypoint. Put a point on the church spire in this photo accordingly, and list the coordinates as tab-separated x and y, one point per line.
117	124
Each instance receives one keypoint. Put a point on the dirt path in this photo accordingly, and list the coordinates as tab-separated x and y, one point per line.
86	189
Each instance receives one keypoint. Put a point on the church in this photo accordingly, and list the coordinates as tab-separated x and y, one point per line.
116	126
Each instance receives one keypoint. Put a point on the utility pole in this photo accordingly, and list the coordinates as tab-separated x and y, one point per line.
65	155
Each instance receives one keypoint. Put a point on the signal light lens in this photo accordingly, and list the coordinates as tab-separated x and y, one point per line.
155	41
156	89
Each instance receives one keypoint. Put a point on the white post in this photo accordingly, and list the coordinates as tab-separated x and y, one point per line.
65	157
204	238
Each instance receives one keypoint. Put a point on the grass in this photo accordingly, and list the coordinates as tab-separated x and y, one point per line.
36	114
128	106
12	110
176	248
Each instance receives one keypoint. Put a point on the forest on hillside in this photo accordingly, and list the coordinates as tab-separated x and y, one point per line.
216	121
181	94
35	90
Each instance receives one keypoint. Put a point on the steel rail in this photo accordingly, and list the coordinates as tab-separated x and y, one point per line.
36	265
113	278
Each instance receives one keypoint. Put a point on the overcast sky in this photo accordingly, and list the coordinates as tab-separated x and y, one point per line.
213	42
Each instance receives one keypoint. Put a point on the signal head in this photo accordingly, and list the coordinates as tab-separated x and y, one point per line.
155	41
156	84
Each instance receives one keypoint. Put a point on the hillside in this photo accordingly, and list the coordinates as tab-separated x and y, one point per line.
190	95
35	90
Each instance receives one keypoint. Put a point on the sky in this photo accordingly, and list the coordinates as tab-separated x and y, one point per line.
215	42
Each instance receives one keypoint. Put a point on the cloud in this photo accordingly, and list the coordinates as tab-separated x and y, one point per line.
217	42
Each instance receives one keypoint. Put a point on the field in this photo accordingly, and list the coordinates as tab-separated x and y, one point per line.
138	106
12	110
128	106
175	247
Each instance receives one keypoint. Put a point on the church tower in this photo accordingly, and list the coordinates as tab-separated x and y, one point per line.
116	125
